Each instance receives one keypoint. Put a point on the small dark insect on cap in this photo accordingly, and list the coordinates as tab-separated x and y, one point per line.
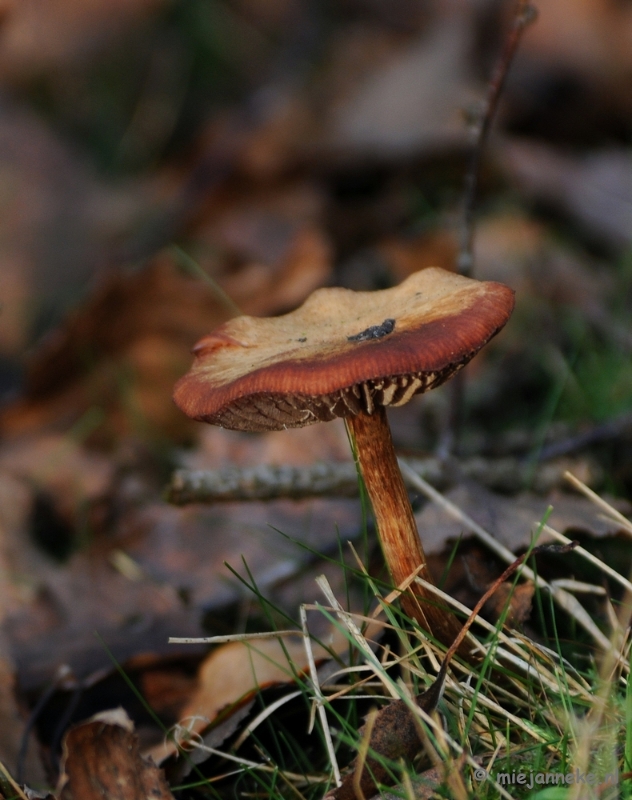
342	352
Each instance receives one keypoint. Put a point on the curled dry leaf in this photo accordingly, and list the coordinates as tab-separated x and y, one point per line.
394	736
510	598
159	313
235	669
102	759
133	364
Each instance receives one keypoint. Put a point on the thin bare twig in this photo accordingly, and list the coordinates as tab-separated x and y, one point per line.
611	512
525	15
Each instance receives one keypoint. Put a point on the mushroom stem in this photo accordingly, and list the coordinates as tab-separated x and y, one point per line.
404	555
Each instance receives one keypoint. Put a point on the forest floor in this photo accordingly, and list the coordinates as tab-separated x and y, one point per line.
168	164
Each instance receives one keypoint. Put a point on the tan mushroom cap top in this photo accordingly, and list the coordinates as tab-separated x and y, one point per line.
341	352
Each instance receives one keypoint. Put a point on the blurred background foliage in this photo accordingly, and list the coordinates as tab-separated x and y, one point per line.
232	127
288	144
160	156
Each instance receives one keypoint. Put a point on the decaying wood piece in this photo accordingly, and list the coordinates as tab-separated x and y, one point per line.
339	479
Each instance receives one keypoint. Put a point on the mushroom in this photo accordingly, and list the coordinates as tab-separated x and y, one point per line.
350	354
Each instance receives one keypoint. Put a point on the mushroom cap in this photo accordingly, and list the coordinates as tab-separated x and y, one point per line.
342	352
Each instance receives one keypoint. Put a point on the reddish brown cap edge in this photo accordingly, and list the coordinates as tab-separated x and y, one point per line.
432	348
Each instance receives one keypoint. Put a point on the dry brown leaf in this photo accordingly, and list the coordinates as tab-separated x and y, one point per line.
511	520
180	555
479	574
393	733
58	465
405	256
514	600
167	690
120	352
56	219
412	102
305	266
587	37
102	760
234	670
157	301
593	188
123	350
